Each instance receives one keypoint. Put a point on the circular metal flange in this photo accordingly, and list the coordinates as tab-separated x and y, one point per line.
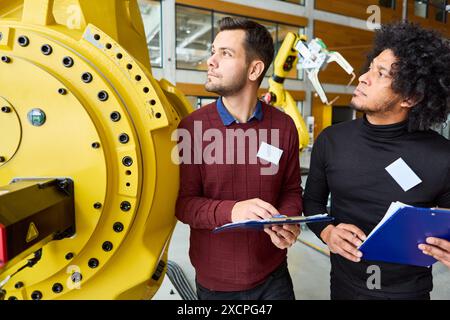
58	135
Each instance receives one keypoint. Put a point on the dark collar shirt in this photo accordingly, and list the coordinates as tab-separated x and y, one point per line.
348	161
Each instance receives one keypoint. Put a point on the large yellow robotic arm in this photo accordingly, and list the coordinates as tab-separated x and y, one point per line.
78	103
311	58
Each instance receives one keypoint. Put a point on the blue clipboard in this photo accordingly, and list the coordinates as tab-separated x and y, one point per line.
397	239
276	220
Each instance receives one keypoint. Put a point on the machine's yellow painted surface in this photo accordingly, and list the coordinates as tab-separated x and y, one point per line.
323	115
79	140
9	127
134	181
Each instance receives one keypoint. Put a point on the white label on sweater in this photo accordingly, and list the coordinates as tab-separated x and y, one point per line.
403	174
269	153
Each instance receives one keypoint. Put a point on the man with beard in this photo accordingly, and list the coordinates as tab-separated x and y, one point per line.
244	264
403	95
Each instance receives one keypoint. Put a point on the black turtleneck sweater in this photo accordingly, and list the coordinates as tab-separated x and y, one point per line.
349	160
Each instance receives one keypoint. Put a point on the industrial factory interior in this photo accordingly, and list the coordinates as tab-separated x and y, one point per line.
97	98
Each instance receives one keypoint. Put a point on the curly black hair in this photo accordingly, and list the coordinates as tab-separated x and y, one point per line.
421	73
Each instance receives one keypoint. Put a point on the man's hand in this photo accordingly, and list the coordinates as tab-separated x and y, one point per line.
344	239
438	249
253	209
284	236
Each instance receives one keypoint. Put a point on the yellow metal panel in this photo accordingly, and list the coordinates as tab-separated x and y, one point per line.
322	114
38	12
10	132
107	127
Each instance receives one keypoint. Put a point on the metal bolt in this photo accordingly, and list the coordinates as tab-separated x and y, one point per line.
46	49
118	227
12	298
97	37
125	206
2	159
115	116
36	295
103	95
23	41
124	138
76	277
6	109
57	288
127	161
62	91
18	285
158	115
93	263
107	246
97	205
69	256
68	62
95	145
86	77
6	59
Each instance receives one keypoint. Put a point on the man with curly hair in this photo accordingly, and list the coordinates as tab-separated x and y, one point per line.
404	94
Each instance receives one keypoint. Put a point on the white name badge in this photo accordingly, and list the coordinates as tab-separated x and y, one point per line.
403	174
269	153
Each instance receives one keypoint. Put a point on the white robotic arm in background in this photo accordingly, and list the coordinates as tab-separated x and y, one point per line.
311	57
315	57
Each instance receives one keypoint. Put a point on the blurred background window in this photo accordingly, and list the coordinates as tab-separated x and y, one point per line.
193	37
151	16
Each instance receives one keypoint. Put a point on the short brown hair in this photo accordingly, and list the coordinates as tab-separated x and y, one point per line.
258	41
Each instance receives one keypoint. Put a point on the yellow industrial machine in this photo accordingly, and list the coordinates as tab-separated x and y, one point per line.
83	125
312	58
87	184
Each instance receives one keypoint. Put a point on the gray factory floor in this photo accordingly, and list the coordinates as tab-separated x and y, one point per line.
309	269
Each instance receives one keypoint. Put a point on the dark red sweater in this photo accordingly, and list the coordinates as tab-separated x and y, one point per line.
236	260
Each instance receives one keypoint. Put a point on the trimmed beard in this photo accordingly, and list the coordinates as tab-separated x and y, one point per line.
388	107
226	91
